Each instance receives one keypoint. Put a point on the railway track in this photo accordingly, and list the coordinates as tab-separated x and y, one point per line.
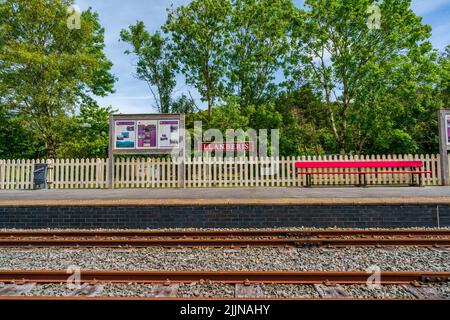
227	233
165	284
294	242
230	277
225	238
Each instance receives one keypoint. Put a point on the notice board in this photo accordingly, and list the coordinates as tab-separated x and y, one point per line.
146	134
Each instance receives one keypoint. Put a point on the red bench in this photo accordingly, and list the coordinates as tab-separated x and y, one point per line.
413	167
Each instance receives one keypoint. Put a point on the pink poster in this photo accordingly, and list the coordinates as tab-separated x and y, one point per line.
147	133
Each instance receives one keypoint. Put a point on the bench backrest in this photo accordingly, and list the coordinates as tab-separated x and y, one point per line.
358	164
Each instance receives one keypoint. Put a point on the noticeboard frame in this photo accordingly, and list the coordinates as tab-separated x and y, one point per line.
444	145
113	151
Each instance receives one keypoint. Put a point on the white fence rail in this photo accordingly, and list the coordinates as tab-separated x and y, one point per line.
211	172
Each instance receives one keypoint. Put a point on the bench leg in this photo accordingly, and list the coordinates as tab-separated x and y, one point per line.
308	181
413	181
419	182
361	180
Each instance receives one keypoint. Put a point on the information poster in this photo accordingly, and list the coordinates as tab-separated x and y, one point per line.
168	134
147	134
125	134
447	128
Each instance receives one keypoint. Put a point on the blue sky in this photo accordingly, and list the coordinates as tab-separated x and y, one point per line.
133	96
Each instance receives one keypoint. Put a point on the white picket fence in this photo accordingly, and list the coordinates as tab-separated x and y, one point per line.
211	172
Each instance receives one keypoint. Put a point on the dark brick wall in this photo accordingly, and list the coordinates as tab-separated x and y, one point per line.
385	216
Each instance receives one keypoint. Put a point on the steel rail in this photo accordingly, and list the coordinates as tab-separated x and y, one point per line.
225	233
246	277
223	242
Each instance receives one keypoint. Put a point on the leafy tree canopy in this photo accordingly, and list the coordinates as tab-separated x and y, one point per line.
46	67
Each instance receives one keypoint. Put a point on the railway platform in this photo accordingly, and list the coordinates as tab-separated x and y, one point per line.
227	208
232	195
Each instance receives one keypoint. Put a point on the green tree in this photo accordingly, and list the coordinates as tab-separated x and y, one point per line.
256	48
183	104
354	66
155	64
402	117
87	134
198	34
444	83
47	67
227	116
18	140
303	131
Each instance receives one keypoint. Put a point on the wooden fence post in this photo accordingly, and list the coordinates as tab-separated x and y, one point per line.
50	173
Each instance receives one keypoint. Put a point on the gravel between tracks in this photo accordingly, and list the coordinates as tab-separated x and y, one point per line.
217	290
257	259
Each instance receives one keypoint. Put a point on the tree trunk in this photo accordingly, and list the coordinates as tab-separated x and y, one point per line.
209	108
340	140
342	150
343	138
50	147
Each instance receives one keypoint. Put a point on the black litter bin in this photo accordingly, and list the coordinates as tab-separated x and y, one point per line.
40	176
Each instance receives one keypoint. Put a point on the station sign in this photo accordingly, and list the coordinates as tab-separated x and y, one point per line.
221	146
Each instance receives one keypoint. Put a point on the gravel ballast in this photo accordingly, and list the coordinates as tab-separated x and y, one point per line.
256	259
218	290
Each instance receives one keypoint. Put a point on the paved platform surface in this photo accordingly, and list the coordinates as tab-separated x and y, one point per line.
217	196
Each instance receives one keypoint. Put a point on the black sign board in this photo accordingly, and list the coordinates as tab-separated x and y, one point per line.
40	176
